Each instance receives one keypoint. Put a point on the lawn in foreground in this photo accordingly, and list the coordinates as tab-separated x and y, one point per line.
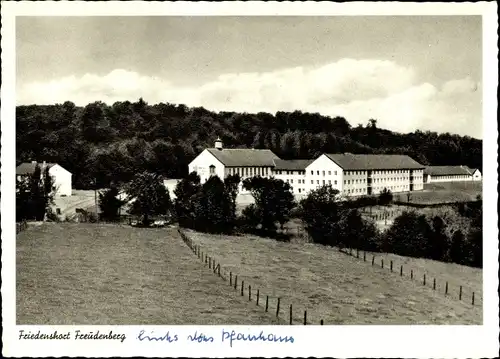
68	274
335	287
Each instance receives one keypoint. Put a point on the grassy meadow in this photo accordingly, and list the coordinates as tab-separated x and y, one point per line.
69	274
341	289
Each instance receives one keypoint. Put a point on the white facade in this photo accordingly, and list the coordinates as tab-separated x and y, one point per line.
62	180
296	179
207	165
476	176
448	178
323	171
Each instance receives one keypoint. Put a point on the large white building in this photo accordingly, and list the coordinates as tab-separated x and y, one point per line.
60	176
351	174
223	162
451	174
361	174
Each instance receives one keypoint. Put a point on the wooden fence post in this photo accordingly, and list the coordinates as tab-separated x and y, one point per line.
460	293
278	308
411	274
321	322
305	317
373	260
218	269
382	262
257	297
235	281
290	314
391	266
401	271
364	256
446	289
267	302
357	253
242	284
231	278
249	292
473	298
434	284
424	279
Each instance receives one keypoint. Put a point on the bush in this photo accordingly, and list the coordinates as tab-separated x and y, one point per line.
385	197
273	202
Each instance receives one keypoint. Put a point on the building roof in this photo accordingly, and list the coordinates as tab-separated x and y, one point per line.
350	161
242	157
448	170
292	165
28	168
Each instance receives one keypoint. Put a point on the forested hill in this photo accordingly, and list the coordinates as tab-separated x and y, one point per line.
114	142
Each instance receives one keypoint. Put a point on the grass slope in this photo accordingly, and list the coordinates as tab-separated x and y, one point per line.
70	274
338	288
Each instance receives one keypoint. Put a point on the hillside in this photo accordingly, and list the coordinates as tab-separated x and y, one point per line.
113	142
88	274
344	290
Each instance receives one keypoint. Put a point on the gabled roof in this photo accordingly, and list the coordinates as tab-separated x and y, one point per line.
292	165
448	170
349	161
243	157
28	168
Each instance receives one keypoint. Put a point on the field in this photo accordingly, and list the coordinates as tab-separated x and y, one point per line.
71	274
447	192
344	290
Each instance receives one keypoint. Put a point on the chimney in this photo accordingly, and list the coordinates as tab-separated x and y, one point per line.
218	143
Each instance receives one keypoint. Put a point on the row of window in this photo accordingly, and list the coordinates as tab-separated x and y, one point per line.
299	181
453	177
248	171
324	173
324	182
283	172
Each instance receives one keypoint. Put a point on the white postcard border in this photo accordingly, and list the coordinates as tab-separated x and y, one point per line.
336	341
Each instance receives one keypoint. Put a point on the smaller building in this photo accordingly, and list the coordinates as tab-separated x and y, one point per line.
60	176
476	174
451	174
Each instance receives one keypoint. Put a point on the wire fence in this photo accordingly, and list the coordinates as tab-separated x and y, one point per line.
21	226
439	285
286	313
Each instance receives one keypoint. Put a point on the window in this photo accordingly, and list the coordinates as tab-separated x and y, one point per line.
317	172
335	173
312	172
323	182
323	173
317	181
312	182
335	182
329	182
212	169
299	190
291	181
345	182
329	173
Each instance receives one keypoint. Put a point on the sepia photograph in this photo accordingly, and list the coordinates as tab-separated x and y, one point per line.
249	170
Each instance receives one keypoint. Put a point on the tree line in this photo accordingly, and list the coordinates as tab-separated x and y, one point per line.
328	220
211	207
111	143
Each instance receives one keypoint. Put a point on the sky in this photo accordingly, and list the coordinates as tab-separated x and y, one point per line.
409	73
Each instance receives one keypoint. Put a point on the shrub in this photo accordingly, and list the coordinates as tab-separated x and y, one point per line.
385	197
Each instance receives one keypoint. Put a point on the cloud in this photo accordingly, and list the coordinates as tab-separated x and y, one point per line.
356	89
